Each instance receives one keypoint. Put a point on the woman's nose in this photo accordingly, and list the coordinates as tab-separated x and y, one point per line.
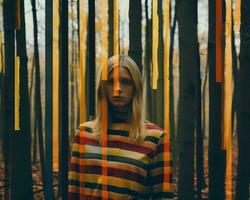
117	88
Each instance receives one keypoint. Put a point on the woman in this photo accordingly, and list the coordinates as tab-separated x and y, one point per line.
134	153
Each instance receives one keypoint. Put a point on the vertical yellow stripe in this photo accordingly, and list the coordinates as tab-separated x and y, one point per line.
104	111
228	85
1	55
82	58
104	23
237	15
166	93
116	47
17	93
56	21
155	44
18	19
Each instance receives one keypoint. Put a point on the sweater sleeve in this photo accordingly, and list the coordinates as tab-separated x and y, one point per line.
74	181
162	189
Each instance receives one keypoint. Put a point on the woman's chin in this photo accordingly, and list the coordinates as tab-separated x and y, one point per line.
119	106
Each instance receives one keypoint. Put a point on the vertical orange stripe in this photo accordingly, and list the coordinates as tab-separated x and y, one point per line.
166	95
237	15
81	163
104	111
18	19
56	22
104	23
104	148
227	89
116	47
218	41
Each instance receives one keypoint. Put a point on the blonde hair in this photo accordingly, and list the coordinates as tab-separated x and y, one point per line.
137	129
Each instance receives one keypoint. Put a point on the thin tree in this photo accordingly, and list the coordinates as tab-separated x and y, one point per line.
48	187
188	45
236	81
91	58
217	158
111	28
159	92
135	44
63	101
38	129
171	90
21	142
199	133
243	177
147	64
8	109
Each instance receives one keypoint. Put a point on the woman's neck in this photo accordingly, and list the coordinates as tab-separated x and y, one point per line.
119	115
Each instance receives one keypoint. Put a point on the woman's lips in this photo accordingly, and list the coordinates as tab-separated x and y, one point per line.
117	98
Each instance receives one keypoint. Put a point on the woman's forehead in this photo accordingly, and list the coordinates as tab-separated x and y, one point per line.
123	73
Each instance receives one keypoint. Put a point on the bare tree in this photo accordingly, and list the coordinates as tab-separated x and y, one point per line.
243	177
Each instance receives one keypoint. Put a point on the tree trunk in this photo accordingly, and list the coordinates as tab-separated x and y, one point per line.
171	92
199	133
21	141
236	82
91	55
159	106
38	105
188	45
49	193
243	177
63	101
135	45
8	109
111	28
147	59
217	157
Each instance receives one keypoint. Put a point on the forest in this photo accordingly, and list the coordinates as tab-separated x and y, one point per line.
194	58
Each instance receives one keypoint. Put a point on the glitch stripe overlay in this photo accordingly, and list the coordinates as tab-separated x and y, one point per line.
116	46
1	53
104	129
237	15
104	22
17	17
166	183
155	43
17	93
228	98
82	58
55	82
219	41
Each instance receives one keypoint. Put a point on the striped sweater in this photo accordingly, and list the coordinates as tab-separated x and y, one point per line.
134	171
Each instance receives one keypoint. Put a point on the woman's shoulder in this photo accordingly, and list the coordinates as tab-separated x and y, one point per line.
84	134
87	126
84	129
151	126
153	129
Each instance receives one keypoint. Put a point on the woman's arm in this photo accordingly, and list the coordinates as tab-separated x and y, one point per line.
162	189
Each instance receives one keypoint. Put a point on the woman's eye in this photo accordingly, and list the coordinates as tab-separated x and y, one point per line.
126	82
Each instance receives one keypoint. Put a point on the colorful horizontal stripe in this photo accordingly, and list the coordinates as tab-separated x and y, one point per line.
134	170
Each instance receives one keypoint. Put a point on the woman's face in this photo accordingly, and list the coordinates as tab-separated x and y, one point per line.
124	90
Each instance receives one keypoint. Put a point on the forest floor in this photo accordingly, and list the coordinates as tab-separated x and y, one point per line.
38	187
